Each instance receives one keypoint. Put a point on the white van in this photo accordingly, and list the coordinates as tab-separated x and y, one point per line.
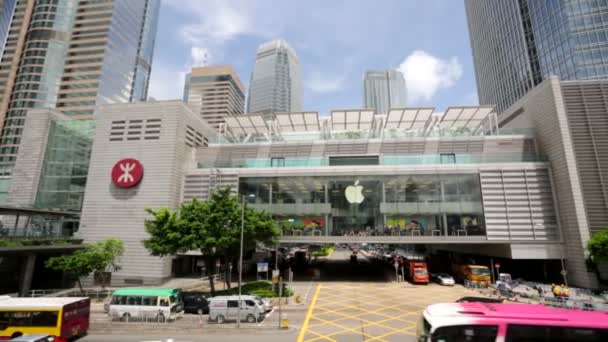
146	304
223	308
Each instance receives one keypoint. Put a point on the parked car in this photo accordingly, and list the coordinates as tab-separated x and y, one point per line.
478	300
223	308
444	279
266	303
38	338
195	302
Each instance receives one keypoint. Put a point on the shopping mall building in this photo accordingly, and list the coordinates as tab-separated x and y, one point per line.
461	180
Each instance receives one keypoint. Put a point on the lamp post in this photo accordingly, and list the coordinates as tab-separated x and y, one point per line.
238	320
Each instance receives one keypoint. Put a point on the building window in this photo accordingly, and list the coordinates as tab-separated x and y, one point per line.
277	162
447	158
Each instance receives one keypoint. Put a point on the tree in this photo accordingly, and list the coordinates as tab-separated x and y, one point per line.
598	246
99	257
212	226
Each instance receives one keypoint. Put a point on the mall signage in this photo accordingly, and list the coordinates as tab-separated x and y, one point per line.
127	173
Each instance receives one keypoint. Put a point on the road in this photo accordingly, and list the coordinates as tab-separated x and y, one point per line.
225	337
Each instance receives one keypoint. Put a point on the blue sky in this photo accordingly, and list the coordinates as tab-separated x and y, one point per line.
336	41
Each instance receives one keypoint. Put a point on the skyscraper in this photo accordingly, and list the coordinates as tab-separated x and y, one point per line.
518	44
383	90
73	55
214	92
7	8
275	84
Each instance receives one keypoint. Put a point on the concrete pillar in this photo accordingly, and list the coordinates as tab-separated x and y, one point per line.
28	273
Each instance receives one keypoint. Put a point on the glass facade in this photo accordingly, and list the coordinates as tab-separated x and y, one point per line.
276	85
416	204
518	44
7	8
383	90
66	164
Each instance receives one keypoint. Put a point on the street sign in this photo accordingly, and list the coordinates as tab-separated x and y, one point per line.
497	265
262	267
563	272
275	276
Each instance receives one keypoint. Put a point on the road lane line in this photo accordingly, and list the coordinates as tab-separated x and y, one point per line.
309	314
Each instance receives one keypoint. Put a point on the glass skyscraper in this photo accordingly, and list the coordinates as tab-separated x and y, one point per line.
72	56
518	44
383	90
275	84
7	7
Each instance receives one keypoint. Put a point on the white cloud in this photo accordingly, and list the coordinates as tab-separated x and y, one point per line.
214	22
199	56
324	83
426	75
166	82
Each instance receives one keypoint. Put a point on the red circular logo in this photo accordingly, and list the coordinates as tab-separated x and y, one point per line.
127	173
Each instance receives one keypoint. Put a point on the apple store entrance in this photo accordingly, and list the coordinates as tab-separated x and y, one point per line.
417	204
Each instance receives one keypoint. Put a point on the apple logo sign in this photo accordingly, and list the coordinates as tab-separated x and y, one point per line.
354	193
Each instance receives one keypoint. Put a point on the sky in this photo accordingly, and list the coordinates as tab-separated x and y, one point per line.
336	41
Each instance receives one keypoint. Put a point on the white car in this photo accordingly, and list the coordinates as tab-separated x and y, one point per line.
445	279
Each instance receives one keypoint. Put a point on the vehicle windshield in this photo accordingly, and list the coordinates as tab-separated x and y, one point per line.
443	275
420	272
480	271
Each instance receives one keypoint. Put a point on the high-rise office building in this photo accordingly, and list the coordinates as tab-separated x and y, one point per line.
275	84
73	56
518	44
214	92
7	8
383	90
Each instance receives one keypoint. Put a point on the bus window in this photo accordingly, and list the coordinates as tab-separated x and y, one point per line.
164	301
119	300
44	318
525	333
133	300
149	301
468	333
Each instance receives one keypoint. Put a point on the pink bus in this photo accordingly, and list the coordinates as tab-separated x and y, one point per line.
480	322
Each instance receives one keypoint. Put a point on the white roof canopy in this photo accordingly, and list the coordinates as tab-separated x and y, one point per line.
344	120
408	118
465	117
247	124
298	122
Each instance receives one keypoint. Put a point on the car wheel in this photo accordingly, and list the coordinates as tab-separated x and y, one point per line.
126	317
251	318
221	319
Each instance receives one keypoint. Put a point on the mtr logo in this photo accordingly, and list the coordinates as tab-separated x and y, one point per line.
127	173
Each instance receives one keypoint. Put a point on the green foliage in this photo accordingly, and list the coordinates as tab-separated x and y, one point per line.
38	242
212	226
324	251
598	246
101	256
262	288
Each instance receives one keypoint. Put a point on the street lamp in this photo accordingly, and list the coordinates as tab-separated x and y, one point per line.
238	320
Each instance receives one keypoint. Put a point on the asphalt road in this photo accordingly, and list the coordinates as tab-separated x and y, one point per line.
225	337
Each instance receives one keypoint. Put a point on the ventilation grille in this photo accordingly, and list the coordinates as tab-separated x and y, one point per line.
194	138
291	150
199	186
403	147
460	146
345	149
135	129
518	205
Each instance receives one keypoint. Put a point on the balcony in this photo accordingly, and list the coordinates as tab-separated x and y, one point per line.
425	159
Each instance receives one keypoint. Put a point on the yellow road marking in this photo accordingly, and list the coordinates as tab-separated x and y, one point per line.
309	314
